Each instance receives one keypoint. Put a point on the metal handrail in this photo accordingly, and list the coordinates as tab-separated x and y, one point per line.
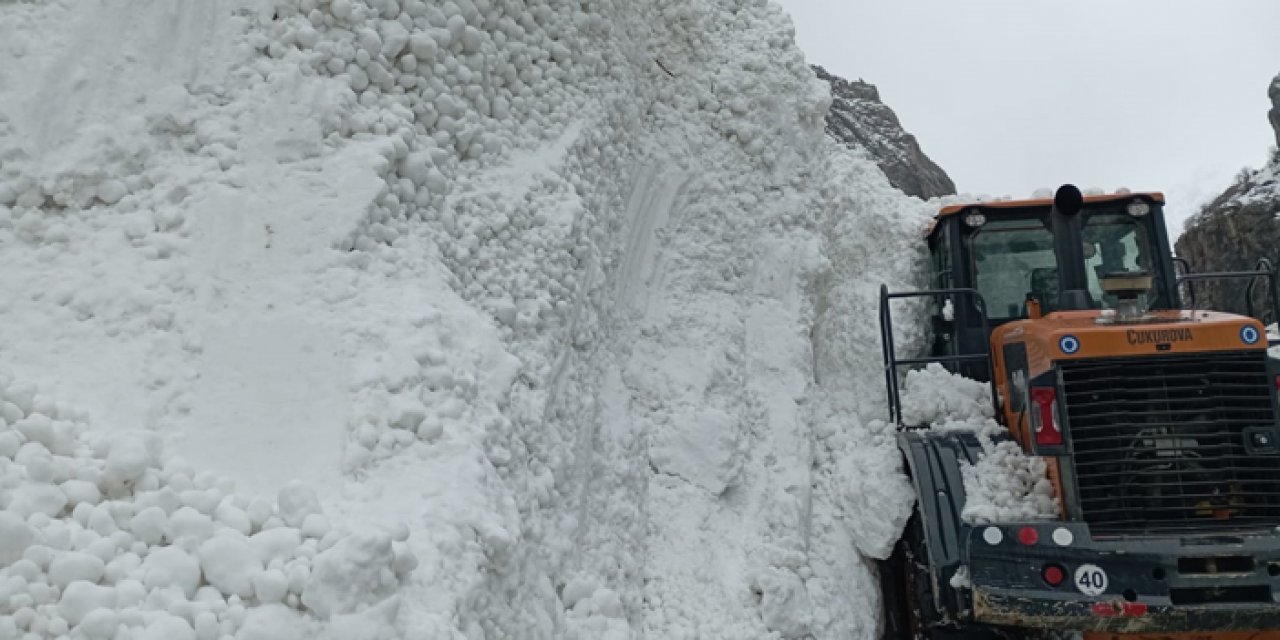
889	352
1177	278
1264	264
1262	269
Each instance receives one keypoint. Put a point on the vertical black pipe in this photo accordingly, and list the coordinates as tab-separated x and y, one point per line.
1068	247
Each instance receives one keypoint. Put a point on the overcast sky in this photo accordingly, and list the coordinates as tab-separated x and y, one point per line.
1012	95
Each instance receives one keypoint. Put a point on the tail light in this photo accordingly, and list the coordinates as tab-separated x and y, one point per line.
1044	416
1054	574
1028	536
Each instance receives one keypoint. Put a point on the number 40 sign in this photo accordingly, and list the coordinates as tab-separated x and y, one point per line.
1091	580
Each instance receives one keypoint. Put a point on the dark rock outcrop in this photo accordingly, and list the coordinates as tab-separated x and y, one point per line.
1274	114
858	119
1236	228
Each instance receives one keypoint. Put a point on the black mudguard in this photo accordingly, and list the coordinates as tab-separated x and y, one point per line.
933	460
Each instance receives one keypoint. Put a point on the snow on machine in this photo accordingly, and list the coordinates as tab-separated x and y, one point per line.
1156	423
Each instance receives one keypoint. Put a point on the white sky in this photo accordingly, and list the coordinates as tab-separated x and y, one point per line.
1011	95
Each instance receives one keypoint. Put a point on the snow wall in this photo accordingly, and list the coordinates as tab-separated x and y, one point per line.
469	319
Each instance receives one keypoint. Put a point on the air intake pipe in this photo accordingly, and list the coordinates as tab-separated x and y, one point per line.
1068	247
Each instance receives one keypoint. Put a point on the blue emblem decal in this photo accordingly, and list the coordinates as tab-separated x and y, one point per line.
1069	344
1249	334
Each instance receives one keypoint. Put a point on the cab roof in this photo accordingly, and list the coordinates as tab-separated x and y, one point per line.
953	209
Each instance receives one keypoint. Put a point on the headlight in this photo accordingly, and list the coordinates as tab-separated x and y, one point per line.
975	219
1138	208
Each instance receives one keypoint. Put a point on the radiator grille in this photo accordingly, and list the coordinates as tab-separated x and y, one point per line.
1159	443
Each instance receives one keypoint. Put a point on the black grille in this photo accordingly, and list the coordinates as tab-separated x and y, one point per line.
1159	444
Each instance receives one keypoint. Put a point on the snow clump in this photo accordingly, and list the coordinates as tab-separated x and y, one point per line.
940	399
1005	484
101	537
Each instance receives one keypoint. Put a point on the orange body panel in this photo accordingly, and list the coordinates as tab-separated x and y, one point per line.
953	209
1164	333
1073	335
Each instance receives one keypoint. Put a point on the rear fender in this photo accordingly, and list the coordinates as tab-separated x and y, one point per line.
934	460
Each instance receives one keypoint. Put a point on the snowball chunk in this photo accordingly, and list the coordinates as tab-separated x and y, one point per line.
80	598
99	624
112	191
10	443
37	497
81	491
15	537
279	543
126	461
232	516
354	572
229	564
270	586
149	525
171	567
187	522
167	627
70	567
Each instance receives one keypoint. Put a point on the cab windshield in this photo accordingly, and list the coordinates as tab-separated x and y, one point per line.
1014	258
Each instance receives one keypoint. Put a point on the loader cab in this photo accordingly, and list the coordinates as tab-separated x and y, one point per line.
1015	256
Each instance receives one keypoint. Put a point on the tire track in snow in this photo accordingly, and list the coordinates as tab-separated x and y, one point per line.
715	366
602	585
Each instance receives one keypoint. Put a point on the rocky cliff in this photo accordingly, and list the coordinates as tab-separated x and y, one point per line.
1238	227
858	119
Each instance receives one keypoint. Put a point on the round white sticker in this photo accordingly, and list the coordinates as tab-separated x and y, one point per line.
1091	580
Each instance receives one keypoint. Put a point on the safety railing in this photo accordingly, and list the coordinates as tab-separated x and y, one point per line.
892	362
1262	269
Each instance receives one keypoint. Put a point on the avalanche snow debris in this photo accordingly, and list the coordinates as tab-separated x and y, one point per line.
124	561
542	291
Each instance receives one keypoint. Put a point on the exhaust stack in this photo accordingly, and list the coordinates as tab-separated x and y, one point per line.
1068	247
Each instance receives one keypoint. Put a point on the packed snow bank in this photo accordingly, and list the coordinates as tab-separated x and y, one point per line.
571	302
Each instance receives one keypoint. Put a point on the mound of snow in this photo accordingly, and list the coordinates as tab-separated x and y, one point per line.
103	537
940	399
1005	484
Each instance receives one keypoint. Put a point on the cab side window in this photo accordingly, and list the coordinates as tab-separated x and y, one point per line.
1011	259
941	276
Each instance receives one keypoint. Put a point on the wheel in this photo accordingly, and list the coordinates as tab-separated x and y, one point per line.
909	611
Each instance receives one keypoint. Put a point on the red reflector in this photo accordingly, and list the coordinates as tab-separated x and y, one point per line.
1054	575
1278	383
1134	609
1028	536
1046	427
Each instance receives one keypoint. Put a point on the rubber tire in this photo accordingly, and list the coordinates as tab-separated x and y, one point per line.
908	608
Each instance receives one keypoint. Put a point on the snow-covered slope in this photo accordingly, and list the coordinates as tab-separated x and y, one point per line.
562	314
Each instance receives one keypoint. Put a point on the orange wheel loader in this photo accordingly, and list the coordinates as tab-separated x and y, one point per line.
1157	423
